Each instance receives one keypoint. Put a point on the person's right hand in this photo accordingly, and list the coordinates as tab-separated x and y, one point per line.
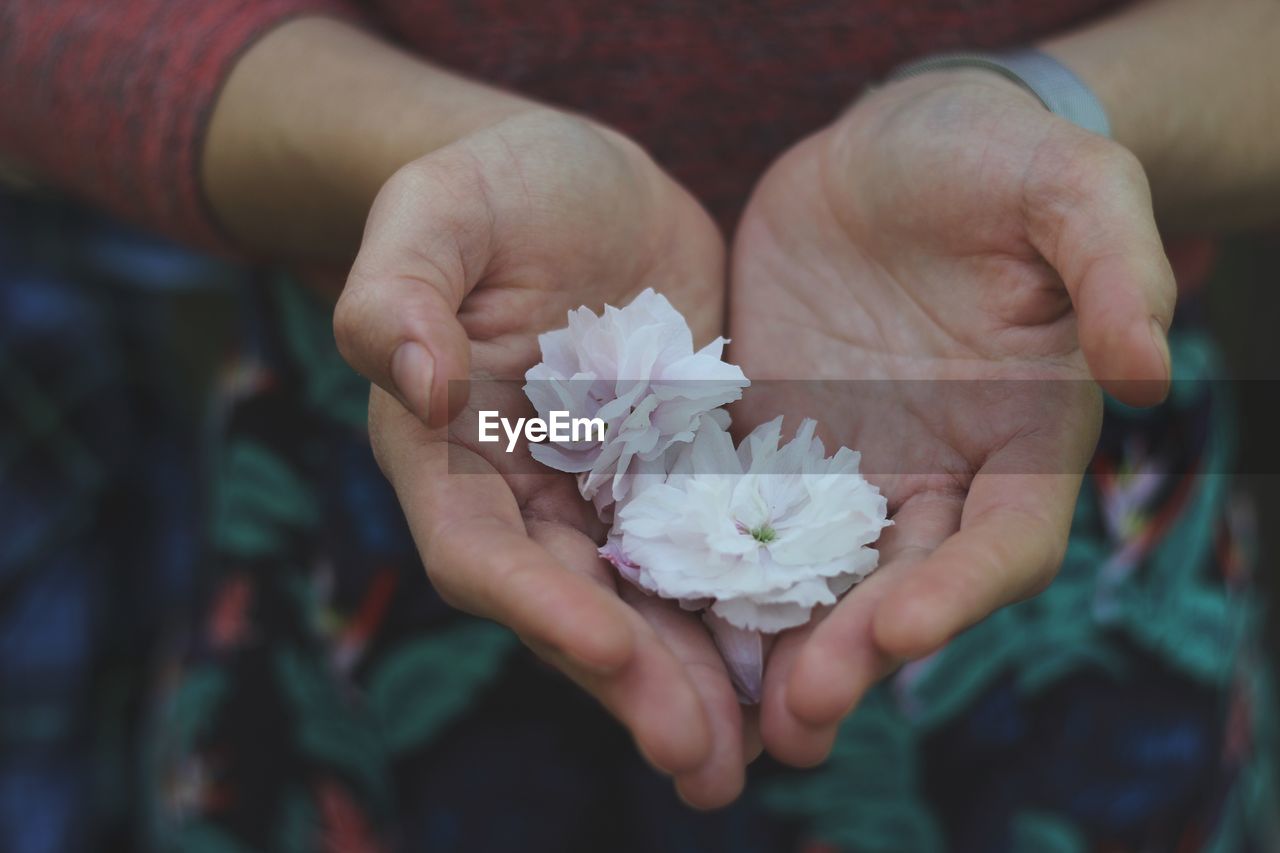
469	253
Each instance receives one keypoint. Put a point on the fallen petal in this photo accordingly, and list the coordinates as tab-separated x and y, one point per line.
743	654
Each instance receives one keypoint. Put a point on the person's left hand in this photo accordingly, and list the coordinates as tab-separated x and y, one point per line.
948	229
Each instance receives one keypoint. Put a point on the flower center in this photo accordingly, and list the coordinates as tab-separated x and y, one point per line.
763	534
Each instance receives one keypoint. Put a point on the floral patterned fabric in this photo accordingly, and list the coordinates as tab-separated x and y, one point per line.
216	635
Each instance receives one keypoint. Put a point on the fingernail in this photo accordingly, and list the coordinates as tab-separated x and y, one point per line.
412	370
1161	341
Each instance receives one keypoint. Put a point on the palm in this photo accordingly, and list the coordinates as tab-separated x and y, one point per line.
946	327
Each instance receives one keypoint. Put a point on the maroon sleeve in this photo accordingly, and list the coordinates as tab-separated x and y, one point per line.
109	101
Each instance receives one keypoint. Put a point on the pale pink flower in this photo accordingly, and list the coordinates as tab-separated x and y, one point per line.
636	369
760	536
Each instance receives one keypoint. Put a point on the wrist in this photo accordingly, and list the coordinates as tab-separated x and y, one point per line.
1053	84
1109	79
933	97
953	79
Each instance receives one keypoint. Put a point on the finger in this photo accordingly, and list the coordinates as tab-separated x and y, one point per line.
428	240
785	736
550	592
837	657
665	719
820	671
492	569
1012	536
1091	217
719	779
477	552
653	695
819	676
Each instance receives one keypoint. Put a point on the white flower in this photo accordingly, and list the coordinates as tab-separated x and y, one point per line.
635	368
767	532
761	535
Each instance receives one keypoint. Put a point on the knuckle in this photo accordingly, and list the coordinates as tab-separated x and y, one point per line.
438	569
1111	165
411	179
442	190
443	590
1122	164
551	122
550	129
347	321
369	323
1056	550
1078	166
1043	566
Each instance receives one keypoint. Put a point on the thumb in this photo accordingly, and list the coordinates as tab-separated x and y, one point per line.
1090	216
426	244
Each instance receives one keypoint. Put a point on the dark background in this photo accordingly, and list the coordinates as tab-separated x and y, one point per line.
1243	302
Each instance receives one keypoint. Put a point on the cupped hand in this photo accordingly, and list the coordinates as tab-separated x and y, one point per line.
973	263
469	254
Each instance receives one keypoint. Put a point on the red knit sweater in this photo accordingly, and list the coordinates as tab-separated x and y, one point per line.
109	101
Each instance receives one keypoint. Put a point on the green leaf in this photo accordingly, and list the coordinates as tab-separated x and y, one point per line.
427	683
1042	832
261	501
330	729
204	838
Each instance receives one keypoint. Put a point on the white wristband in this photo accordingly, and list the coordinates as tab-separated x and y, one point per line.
1056	85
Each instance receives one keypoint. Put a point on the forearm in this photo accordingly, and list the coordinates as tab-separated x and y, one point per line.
313	120
1192	87
107	102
